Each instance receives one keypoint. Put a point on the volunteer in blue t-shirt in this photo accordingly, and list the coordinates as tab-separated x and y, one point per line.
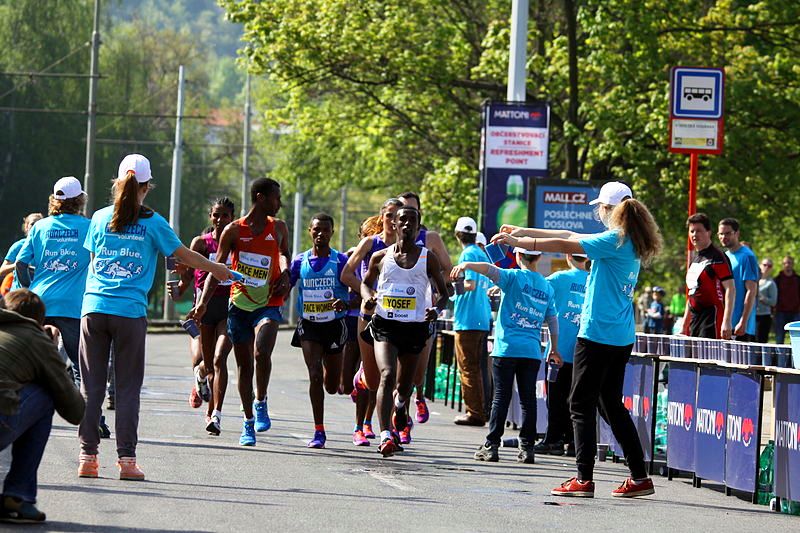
7	270
569	292
55	249
746	274
607	331
472	316
124	240
526	304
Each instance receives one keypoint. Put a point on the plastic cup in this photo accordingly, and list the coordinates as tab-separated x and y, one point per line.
237	276
602	452
191	328
174	291
495	303
768	355
458	284
552	372
170	262
652	344
496	252
754	353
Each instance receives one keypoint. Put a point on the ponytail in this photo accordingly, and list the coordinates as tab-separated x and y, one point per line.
126	202
633	220
371	226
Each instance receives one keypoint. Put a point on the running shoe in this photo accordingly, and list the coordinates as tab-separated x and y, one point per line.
111	404
526	455
358	384
15	511
263	422
318	441
129	470
368	433
396	439
202	385
574	488
88	465
213	425
405	433
387	447
105	432
359	439
632	489
488	452
422	411
248	437
195	400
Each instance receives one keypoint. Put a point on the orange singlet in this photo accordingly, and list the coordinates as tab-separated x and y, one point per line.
257	258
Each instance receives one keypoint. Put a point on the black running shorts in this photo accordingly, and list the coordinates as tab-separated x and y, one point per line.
408	337
331	335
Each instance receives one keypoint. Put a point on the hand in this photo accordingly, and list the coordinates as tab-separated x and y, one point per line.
505	238
739	329
339	305
197	312
509	228
555	357
457	271
431	314
370	303
725	332
220	272
53	333
280	285
494	291
180	268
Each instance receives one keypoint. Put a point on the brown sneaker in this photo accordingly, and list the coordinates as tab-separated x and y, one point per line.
468	420
87	465
129	470
632	489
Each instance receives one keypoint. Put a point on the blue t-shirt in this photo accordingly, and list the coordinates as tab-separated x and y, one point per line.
321	285
744	266
55	248
607	316
656	325
569	292
472	310
124	263
11	257
527	301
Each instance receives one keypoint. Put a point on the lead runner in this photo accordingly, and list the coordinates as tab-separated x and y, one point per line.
400	326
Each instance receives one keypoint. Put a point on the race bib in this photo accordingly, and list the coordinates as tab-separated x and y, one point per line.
399	301
212	256
318	305
255	268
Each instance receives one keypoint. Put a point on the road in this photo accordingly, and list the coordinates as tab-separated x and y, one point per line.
197	482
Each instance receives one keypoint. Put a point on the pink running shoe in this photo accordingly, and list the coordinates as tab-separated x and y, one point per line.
422	411
359	439
368	433
358	384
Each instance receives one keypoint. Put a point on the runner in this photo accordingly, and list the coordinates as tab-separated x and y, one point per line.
260	247
7	278
321	303
124	240
433	241
55	249
402	322
368	378
210	351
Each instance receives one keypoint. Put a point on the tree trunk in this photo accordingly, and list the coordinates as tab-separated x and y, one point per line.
570	13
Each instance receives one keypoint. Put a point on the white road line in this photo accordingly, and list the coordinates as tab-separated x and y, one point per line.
391	481
303	438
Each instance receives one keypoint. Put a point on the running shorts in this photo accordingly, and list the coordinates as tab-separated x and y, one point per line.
216	310
331	335
408	337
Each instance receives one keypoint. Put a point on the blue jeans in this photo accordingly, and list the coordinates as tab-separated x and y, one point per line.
27	432
504	369
781	319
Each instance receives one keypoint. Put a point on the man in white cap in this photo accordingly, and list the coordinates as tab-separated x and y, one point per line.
472	317
55	249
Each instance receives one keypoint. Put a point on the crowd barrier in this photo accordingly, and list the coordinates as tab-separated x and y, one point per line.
714	411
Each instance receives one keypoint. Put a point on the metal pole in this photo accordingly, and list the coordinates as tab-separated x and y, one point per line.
517	51
298	215
693	163
91	126
246	150
175	189
343	222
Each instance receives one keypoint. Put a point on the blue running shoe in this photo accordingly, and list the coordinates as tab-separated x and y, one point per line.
248	437
263	423
318	441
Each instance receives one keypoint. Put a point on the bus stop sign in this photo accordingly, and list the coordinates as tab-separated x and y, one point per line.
697	92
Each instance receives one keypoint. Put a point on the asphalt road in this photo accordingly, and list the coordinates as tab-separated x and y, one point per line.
197	482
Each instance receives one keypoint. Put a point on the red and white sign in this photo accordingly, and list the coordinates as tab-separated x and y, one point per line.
516	147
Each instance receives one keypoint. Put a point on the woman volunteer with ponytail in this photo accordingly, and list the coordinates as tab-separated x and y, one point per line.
124	240
607	331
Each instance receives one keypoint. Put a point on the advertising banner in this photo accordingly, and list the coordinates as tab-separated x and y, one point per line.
637	396
681	397
709	427
564	205
742	428
787	437
514	148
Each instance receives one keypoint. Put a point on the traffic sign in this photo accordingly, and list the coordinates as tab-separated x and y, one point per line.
697	92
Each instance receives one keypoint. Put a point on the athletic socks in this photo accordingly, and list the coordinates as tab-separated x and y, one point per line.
386	435
217	413
319	427
358	427
399	402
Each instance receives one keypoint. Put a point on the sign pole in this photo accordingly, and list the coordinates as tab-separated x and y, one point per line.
693	162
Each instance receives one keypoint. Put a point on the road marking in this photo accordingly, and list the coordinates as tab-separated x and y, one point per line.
303	438
391	481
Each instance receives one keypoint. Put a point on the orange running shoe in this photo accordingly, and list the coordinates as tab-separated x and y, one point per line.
195	400
88	465
129	470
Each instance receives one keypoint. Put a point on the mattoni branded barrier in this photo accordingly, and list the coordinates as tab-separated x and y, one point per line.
787	437
681	398
710	416
742	431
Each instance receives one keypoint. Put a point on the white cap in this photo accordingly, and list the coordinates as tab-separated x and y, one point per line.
612	193
580	255
139	164
466	225
66	188
526	251
480	238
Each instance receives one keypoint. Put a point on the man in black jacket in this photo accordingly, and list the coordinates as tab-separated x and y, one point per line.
34	382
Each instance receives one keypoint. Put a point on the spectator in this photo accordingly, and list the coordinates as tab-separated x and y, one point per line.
7	277
677	304
744	267
472	315
655	314
34	383
642	305
710	283
767	297
787	308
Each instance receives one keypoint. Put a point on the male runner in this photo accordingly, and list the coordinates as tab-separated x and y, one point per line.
260	246
402	322
322	304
